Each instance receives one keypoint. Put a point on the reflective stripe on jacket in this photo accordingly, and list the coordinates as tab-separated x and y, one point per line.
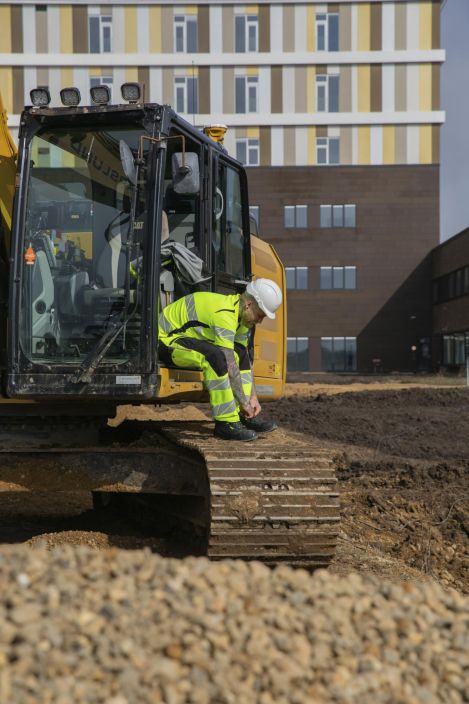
205	316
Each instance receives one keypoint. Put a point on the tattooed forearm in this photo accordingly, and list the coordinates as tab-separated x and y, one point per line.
235	378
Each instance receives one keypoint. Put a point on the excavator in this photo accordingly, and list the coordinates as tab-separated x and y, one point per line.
97	204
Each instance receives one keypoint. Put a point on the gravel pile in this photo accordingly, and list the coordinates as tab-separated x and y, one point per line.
120	627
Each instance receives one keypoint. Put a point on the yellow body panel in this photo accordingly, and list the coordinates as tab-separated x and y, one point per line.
8	154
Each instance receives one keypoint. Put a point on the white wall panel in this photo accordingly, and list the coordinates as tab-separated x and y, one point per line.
143	24
376	144
216	89
413	92
216	24
276	27
276	136
388	88
413	144
156	85
301	146
30	82
264	89
354	27
81	81
300	27
230	142
55	86
413	30
354	88
53	29
118	78
29	28
118	30
388	26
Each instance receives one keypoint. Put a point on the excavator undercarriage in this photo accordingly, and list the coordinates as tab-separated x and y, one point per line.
274	500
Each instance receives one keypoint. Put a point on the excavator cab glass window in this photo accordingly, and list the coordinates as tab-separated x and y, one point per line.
82	258
229	233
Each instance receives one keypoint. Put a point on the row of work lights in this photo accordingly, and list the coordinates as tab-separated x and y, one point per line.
100	95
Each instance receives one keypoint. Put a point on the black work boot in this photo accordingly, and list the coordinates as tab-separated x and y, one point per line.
259	425
233	431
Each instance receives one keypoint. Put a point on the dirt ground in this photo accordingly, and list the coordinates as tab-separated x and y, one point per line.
403	469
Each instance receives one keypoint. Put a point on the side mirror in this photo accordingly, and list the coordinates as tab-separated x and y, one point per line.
128	163
185	172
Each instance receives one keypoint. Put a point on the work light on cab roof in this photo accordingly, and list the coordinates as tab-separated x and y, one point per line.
131	92
100	95
70	97
40	97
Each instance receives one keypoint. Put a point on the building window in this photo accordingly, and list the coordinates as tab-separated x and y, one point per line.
327	150
297	277
295	216
100	34
338	277
455	348
339	354
327	32
254	212
186	94
337	215
246	94
102	81
297	354
246	33
185	33
247	151
327	93
452	285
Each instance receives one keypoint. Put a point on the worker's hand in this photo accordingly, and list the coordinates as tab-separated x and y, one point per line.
255	405
247	410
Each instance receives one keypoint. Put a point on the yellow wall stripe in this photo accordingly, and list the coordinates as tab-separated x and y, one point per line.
389	142
130	30
310	89
364	145
364	81
425	100
95	71
131	74
5	29
252	71
311	28
425	144
425	28
312	145
251	9
66	77
364	24
252	132
6	83
155	32
66	30
190	10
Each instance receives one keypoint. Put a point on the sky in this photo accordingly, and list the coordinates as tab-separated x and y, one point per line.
454	154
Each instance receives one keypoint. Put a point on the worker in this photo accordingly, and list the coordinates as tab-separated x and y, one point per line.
211	331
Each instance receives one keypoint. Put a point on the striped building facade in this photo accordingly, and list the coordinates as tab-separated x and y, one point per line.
335	104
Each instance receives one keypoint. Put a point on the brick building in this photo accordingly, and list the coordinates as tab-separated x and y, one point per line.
334	107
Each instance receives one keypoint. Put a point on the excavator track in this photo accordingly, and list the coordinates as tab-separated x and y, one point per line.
274	499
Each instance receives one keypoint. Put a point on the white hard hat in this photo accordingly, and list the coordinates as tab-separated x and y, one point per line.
267	294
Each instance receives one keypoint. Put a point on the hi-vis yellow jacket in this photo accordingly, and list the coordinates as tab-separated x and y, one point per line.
212	317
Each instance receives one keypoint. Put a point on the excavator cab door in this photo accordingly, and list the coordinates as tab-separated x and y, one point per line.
230	227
